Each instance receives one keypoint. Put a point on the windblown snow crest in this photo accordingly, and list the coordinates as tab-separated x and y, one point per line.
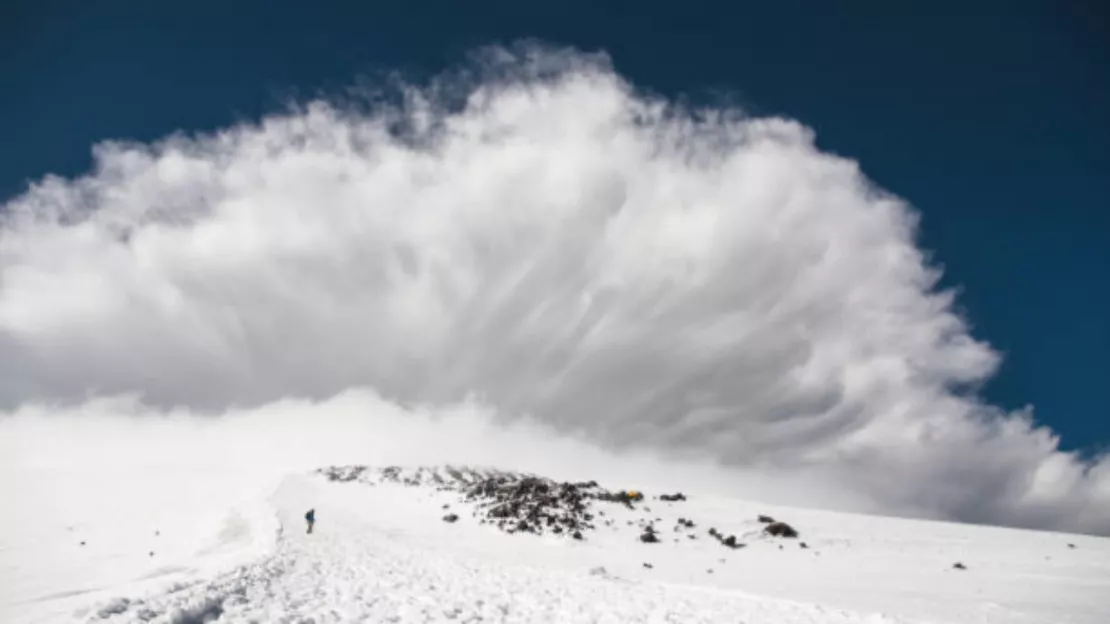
534	232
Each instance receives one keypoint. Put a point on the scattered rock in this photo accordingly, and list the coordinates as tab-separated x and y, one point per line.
520	503
728	542
114	607
803	545
649	566
624	497
766	519
344	474
780	529
959	566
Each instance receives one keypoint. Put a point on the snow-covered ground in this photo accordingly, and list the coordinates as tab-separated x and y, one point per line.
382	552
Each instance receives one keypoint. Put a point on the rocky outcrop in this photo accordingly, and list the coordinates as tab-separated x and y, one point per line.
528	504
728	542
780	529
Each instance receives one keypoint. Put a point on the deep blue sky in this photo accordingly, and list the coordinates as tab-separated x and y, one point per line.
992	118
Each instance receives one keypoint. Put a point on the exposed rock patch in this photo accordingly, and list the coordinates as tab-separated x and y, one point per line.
780	529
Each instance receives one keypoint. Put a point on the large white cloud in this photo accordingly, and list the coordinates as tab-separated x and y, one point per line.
555	244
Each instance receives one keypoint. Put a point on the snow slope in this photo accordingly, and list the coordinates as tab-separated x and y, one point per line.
97	531
382	552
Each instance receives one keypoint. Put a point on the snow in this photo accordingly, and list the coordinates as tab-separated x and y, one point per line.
381	552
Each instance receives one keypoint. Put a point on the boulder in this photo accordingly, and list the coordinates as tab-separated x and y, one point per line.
780	529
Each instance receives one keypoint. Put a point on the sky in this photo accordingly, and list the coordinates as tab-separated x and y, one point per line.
563	247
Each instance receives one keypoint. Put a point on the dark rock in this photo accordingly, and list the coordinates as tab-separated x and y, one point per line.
1071	545
673	498
766	519
82	543
803	545
959	566
731	542
649	566
780	529
649	538
576	535
451	518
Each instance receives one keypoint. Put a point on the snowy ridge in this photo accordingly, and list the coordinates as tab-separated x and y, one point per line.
427	544
446	476
523	502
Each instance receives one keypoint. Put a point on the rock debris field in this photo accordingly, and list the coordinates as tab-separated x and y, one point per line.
521	503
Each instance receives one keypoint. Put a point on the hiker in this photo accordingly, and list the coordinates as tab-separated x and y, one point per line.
310	518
